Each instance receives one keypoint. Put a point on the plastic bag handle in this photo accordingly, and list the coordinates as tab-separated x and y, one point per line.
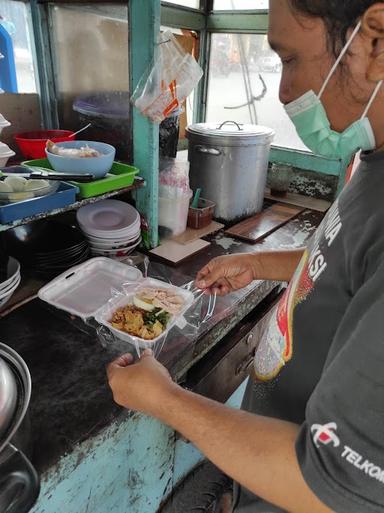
19	486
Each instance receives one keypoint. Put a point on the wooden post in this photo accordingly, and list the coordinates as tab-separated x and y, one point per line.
144	23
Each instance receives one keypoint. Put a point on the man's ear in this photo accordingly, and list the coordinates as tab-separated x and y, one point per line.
372	26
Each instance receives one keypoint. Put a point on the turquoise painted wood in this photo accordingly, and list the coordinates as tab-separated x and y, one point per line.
144	23
130	467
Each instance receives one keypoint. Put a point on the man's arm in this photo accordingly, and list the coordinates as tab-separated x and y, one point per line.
257	452
232	272
277	265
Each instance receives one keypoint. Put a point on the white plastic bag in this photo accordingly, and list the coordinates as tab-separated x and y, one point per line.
171	79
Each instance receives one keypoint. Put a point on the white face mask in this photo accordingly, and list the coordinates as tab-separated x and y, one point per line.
313	127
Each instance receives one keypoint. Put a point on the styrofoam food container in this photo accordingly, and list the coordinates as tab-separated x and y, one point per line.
104	314
5	154
11	290
13	269
8	287
85	288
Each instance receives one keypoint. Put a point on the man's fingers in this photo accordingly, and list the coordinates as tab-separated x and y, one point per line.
119	363
147	352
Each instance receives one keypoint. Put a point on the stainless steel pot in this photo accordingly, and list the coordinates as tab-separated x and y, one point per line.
19	483
229	162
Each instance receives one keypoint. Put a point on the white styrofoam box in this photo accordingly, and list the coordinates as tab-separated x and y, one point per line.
104	315
83	289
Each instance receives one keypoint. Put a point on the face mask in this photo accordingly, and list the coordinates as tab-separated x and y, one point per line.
314	129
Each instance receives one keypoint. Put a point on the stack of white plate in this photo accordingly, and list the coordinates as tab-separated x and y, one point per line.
9	279
111	227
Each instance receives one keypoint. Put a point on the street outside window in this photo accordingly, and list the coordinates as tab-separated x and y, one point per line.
15	18
244	80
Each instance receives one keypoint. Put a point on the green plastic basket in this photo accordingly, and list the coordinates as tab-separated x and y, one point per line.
119	177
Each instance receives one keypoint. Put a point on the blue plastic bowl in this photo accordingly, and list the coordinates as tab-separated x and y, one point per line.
97	166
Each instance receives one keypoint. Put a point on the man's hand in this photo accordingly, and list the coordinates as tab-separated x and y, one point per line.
229	273
142	386
226	274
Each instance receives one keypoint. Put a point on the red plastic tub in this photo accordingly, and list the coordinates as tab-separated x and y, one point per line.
32	144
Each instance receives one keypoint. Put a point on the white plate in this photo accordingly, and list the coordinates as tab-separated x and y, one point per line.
105	313
124	234
13	268
83	289
9	285
108	216
10	291
114	252
113	242
113	245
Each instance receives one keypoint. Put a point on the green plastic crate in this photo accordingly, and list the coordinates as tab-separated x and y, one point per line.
120	176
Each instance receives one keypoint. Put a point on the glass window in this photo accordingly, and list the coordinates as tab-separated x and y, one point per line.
244	85
233	5
193	4
90	53
14	18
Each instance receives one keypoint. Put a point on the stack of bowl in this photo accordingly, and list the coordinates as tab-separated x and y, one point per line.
9	278
111	227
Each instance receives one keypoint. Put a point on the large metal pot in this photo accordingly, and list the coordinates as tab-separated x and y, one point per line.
19	483
229	162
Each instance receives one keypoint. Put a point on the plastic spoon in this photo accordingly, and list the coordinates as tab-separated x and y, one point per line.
195	202
81	129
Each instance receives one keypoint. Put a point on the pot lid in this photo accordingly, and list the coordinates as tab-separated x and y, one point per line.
5	151
4	122
15	392
230	128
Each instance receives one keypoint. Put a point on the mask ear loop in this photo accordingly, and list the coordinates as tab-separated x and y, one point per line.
337	62
373	97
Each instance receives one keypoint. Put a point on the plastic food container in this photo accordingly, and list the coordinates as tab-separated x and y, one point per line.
32	144
95	289
97	166
201	216
5	154
119	177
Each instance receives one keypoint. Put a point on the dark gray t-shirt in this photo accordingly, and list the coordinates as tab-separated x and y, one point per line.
323	351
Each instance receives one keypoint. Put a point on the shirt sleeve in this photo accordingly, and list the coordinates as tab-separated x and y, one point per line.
340	447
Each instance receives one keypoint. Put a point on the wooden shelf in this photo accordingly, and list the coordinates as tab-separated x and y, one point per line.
139	182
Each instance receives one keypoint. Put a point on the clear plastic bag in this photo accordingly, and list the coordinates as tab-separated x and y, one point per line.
170	80
199	309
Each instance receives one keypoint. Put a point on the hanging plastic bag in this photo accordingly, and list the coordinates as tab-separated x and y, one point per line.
172	77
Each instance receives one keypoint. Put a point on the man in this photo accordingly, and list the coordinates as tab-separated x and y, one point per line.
317	444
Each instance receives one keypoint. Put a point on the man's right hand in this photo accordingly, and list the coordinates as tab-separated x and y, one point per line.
226	273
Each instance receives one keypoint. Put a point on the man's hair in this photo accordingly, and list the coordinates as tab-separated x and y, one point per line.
338	15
